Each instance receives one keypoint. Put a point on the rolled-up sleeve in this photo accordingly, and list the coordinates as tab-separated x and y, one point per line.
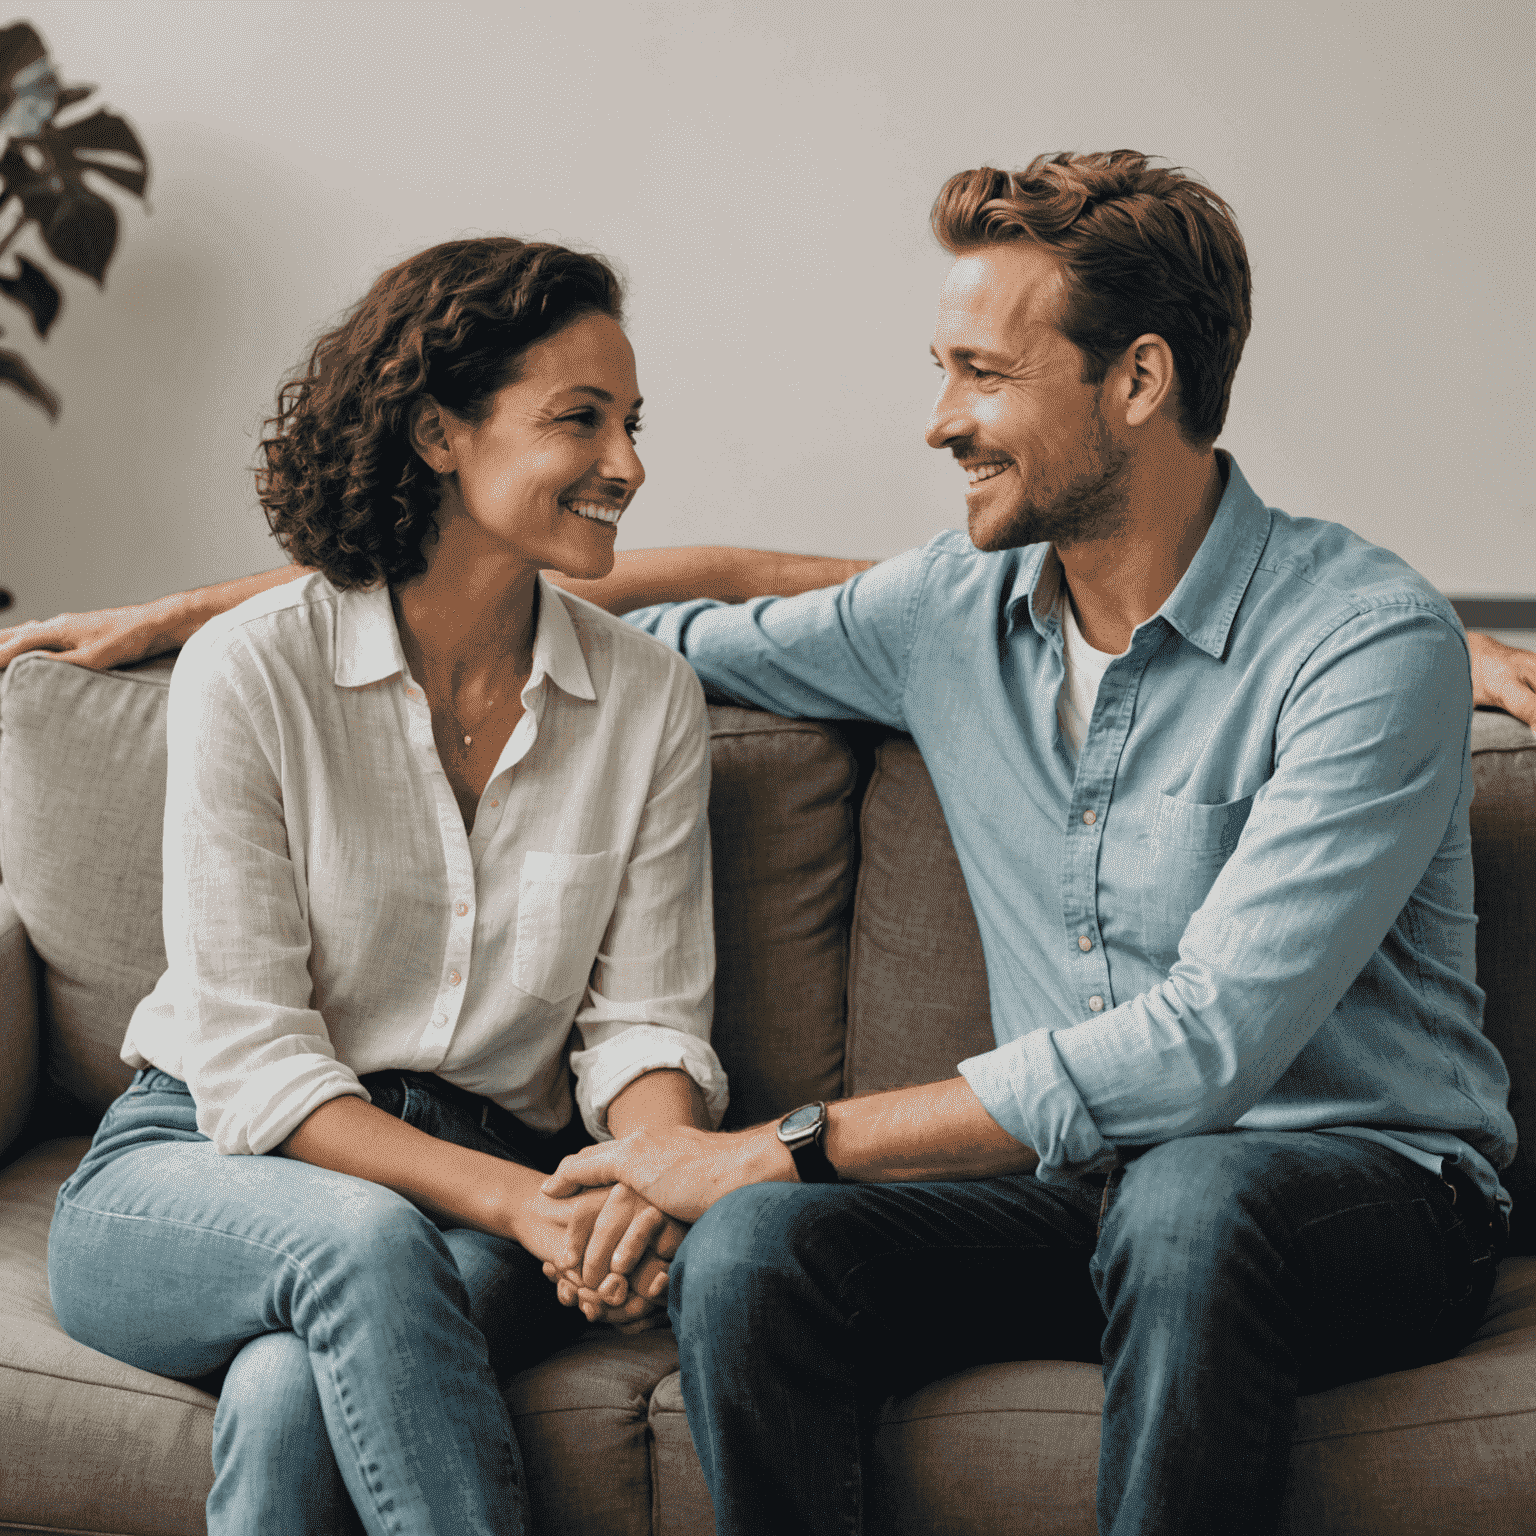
1370	767
255	1053
649	1003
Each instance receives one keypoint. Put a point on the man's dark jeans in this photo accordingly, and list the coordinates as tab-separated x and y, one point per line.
1220	1276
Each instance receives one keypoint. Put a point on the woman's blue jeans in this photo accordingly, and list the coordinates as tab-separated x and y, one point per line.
1217	1277
362	1344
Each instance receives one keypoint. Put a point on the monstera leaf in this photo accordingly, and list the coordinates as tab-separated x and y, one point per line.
16	371
43	170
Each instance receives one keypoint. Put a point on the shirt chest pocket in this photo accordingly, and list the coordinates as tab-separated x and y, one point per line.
1186	847
564	901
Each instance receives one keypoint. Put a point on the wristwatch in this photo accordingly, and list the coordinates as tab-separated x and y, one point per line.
800	1130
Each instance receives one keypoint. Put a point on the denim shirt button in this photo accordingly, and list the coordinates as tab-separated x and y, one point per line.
1096	1004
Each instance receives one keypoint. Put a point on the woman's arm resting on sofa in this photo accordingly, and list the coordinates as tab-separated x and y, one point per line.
936	1131
114	637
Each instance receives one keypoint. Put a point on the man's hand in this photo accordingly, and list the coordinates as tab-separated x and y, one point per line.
1503	677
114	637
678	1169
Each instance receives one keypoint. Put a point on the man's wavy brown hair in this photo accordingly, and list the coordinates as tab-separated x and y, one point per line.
343	489
1144	250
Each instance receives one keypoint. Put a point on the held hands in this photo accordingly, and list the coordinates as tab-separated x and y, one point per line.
606	1250
616	1260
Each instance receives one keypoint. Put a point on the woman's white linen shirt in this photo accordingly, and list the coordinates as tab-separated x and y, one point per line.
326	915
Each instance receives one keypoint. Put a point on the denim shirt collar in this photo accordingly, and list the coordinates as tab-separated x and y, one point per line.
1204	603
368	642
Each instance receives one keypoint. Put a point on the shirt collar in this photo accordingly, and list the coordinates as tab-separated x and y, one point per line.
1202	606
368	643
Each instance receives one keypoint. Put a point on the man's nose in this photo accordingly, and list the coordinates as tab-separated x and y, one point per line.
947	420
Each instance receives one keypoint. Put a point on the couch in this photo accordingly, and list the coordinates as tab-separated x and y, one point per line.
848	960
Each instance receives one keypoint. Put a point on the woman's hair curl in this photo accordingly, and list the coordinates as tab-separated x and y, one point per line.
343	489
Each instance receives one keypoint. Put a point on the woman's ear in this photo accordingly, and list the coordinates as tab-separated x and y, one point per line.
429	436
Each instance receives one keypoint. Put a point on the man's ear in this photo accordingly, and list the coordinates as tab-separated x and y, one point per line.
429	436
1150	380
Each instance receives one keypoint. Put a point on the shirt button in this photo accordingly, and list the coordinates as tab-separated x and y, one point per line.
1085	943
461	907
1089	818
413	693
1096	1004
454	979
494	804
439	1019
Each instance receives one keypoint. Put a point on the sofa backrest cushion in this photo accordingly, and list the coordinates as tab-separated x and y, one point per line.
82	799
1504	886
82	794
917	996
783	826
917	983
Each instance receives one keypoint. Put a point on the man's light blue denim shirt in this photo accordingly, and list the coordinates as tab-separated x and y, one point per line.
1264	840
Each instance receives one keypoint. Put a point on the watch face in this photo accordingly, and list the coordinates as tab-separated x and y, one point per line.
799	1121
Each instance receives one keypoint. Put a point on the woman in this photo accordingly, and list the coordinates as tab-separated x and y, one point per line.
425	813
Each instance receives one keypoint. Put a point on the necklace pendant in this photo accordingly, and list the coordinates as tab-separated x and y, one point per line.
467	740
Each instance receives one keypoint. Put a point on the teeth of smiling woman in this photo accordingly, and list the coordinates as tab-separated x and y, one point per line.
608	516
981	472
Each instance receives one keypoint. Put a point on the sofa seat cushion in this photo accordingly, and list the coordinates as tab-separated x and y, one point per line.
94	1445
581	1422
90	1444
1447	1448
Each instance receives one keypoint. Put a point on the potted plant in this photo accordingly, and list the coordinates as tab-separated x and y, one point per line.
44	162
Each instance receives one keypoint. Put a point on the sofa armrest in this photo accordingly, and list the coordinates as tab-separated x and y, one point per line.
18	1024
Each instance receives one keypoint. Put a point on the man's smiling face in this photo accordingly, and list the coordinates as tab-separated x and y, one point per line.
1040	459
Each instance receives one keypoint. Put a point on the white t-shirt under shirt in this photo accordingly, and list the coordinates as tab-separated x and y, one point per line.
1085	668
327	915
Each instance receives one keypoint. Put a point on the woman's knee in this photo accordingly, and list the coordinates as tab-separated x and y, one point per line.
269	1399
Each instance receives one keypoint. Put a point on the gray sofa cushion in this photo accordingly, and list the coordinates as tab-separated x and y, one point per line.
82	798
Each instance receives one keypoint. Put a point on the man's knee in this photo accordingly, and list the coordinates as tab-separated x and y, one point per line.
1187	1210
752	1242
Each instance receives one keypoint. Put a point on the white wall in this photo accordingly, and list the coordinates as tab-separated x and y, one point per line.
763	172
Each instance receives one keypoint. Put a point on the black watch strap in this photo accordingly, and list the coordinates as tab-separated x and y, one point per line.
811	1161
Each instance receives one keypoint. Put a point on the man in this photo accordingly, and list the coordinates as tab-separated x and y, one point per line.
1206	771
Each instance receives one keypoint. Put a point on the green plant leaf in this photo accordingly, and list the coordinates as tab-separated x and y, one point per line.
79	227
15	371
102	133
34	291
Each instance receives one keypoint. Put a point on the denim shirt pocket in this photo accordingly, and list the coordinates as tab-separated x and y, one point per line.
1187	846
564	901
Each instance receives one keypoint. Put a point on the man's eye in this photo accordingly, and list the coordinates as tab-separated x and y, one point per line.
634	427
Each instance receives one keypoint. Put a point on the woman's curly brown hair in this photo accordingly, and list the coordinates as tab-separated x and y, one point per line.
343	489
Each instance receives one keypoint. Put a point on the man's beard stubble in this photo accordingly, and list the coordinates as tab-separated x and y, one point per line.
1092	505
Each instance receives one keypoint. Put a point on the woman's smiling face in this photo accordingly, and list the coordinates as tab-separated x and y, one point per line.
552	467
